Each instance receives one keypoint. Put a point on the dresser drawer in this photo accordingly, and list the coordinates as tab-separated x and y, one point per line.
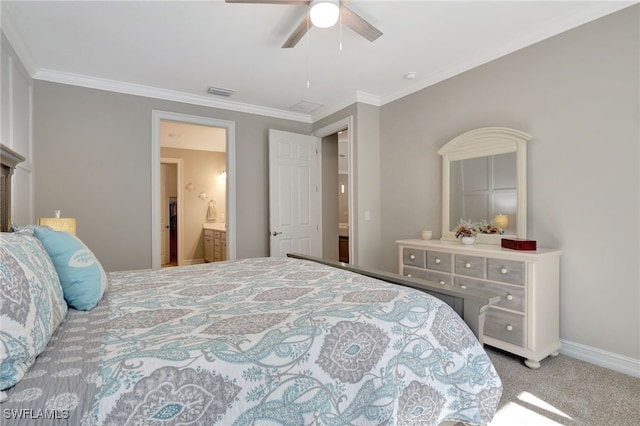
505	326
423	274
439	261
471	266
507	271
413	257
510	297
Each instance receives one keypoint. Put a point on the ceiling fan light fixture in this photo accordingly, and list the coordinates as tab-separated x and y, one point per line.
324	13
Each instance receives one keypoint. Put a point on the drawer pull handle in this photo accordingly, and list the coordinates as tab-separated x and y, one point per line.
442	282
438	260
509	296
463	286
412	257
409	275
503	271
509	327
467	265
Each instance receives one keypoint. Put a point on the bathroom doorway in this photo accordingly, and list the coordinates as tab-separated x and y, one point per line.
158	116
201	150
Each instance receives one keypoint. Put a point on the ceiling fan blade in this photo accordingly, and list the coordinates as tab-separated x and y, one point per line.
358	24
297	34
298	2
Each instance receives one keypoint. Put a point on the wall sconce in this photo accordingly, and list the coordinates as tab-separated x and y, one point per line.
57	223
342	188
501	221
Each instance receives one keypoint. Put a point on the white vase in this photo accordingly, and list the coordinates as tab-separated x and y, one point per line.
467	240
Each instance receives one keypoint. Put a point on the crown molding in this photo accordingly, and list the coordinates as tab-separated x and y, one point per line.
164	94
358	97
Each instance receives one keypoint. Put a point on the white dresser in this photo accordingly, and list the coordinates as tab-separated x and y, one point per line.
526	320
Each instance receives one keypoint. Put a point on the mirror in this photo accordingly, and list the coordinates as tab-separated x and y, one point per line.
484	180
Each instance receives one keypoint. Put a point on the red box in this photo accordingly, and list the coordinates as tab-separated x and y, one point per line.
518	244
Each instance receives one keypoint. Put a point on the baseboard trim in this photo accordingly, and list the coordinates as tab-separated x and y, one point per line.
610	360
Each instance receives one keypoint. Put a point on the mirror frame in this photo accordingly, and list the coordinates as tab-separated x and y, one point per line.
483	142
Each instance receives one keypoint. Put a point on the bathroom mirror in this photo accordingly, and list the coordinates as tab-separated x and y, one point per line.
484	178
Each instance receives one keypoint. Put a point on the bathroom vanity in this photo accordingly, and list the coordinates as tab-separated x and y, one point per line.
215	242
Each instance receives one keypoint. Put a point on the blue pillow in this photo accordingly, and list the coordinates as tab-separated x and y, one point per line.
81	275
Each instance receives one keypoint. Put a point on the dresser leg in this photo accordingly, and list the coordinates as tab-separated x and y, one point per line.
554	354
534	365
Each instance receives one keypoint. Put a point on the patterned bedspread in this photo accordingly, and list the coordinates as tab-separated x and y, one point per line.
270	340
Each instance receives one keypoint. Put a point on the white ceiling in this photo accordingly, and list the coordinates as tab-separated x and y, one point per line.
177	49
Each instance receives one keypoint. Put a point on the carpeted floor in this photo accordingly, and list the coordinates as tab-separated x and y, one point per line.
564	391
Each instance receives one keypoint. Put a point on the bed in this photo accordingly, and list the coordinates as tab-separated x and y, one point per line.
290	341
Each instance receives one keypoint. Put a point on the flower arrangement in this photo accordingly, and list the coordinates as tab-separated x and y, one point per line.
466	228
487	228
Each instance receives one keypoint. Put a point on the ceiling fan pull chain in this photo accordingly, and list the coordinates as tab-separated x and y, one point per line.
340	17
308	48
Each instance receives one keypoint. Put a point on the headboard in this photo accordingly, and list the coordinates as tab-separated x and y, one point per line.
8	161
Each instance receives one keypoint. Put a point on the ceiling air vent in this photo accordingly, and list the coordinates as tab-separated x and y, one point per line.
220	91
305	107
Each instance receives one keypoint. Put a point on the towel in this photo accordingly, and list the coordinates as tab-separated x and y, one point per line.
211	211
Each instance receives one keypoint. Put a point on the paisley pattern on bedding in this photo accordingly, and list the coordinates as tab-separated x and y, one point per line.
31	305
60	386
285	341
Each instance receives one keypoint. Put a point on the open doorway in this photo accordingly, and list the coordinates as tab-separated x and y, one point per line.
204	151
338	230
343	196
170	210
201	200
335	197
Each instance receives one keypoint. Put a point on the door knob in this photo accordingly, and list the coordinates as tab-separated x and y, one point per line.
276	233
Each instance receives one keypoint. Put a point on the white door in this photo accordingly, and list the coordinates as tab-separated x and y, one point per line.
294	194
164	214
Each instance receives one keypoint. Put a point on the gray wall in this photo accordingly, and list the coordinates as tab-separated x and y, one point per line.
93	162
577	94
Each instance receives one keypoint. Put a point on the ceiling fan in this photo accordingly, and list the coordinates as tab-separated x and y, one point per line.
323	14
